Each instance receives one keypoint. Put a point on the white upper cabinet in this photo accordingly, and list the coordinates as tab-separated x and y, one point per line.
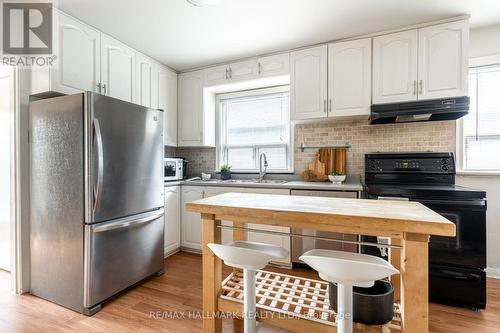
144	78
349	78
165	98
274	65
77	47
308	83
420	64
395	67
118	69
243	70
443	60
216	75
190	109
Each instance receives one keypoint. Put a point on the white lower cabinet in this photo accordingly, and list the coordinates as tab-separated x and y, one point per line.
191	229
172	219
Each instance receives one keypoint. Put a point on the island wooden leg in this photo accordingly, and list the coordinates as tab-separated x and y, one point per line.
238	234
415	283
395	258
212	275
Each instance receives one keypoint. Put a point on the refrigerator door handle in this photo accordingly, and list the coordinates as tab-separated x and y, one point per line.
129	221
97	189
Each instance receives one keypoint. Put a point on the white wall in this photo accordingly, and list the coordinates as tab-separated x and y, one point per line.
485	41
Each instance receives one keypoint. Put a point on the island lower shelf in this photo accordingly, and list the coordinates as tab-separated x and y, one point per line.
291	302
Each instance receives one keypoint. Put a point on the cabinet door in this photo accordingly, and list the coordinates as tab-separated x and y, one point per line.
274	65
216	75
191	222
77	47
443	60
191	109
172	219
144	79
166	99
395	67
244	70
349	78
118	69
308	83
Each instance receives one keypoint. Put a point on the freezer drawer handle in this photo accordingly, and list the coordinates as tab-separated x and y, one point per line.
100	160
129	222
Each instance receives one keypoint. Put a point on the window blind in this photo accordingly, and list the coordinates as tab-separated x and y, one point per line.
481	127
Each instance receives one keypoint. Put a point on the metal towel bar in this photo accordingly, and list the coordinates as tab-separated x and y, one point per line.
379	245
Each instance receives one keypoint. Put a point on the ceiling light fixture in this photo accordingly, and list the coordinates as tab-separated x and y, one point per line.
204	3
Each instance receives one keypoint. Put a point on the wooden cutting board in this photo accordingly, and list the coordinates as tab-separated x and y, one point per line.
316	171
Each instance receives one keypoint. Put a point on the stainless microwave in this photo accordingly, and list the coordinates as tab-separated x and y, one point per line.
173	168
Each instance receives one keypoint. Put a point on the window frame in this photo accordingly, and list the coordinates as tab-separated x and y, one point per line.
493	60
220	136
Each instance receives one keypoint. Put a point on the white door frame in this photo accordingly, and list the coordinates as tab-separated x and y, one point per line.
10	74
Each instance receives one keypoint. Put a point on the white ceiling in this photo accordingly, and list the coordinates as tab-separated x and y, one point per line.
184	36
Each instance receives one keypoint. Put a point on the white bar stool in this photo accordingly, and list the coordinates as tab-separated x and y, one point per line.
347	269
249	256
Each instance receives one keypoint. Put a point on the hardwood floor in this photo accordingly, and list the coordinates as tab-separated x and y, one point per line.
179	289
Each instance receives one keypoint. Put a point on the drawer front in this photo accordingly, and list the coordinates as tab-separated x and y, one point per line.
121	254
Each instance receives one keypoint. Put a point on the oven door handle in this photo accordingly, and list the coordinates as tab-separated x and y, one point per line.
473	203
454	275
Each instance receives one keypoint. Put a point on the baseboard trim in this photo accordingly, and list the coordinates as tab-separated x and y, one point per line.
493	272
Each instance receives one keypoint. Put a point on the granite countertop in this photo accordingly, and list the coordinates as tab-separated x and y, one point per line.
352	183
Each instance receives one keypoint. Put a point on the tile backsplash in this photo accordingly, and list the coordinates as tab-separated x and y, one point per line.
363	138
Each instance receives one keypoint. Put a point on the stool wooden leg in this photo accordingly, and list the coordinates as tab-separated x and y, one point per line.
212	275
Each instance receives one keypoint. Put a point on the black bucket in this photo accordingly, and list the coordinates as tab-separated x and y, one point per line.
371	306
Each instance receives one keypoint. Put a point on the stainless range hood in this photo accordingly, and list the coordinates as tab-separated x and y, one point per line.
429	110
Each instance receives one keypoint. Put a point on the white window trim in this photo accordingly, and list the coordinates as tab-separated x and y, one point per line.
245	93
459	137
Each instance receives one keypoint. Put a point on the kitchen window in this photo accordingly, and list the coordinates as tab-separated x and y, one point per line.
481	127
254	122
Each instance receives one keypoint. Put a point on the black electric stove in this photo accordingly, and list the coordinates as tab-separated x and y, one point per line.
456	264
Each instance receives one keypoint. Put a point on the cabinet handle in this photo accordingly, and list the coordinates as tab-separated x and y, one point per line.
104	88
324	106
230	73
414	87
259	68
227	73
331	105
421	87
99	87
203	194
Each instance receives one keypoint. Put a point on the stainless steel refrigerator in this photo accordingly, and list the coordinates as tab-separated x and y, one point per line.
96	198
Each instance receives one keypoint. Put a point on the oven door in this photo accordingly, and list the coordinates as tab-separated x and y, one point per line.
468	248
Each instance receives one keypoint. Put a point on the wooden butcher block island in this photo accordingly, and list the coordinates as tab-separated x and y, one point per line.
299	304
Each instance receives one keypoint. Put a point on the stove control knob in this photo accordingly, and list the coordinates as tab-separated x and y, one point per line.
445	167
445	161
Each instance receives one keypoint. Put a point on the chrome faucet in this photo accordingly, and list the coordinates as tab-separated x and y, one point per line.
262	174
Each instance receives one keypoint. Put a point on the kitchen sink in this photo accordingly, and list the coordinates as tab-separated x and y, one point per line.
255	181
